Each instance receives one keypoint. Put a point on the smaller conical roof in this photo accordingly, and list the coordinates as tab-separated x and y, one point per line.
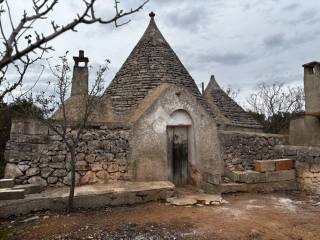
151	63
228	107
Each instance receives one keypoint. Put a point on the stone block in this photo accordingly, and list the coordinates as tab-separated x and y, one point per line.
32	171
315	168
30	188
277	176
252	177
37	180
59	173
89	178
95	167
67	179
264	165
283	164
6	183
12	171
52	180
11	194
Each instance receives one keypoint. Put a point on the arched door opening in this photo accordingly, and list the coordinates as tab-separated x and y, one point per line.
178	147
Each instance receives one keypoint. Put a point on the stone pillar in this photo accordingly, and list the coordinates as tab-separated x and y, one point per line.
312	87
80	75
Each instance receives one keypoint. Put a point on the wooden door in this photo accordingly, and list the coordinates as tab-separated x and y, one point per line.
178	154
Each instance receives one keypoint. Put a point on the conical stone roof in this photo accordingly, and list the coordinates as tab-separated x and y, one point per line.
151	63
228	107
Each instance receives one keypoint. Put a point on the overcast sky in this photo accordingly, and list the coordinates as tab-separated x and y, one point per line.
241	42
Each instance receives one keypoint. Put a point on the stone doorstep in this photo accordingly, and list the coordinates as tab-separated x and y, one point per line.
6	183
11	194
30	188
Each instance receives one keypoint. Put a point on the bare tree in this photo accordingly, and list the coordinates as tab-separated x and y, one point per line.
24	44
276	98
69	130
231	92
274	105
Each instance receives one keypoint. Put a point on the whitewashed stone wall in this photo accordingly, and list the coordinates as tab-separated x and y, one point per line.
36	155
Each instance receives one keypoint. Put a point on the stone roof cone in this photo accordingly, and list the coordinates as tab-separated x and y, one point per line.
227	107
151	63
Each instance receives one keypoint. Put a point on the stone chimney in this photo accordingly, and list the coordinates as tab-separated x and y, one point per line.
80	75
312	88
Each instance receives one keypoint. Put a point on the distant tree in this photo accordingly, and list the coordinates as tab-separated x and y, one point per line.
70	130
274	105
24	43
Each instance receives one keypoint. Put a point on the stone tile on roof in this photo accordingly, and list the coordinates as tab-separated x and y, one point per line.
228	107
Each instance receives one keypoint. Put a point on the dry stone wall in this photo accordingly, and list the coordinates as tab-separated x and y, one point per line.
36	155
240	149
307	165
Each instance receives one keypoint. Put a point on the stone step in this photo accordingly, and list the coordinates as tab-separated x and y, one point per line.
30	188
250	176
6	182
232	187
11	194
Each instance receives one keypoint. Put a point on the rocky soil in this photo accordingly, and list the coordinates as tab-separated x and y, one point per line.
247	216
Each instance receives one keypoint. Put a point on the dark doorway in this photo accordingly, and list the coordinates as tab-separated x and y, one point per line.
178	154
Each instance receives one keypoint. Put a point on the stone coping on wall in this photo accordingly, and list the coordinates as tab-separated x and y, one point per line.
258	134
308	154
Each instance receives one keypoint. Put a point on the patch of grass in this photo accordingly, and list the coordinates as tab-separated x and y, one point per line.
6	233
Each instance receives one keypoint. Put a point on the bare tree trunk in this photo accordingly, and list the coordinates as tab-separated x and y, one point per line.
73	179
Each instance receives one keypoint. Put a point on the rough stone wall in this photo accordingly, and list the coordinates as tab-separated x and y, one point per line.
240	149
36	155
307	165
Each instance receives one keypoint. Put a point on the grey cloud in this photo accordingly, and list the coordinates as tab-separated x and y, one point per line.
228	58
291	7
274	40
192	19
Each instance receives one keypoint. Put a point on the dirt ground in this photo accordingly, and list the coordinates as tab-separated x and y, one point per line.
281	216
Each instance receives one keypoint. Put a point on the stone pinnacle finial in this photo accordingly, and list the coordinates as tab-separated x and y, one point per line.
213	82
152	14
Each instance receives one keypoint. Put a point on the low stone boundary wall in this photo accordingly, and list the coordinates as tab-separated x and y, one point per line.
34	154
240	149
307	165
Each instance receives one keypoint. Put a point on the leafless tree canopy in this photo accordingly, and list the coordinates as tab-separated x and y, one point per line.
276	98
24	44
231	92
70	132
